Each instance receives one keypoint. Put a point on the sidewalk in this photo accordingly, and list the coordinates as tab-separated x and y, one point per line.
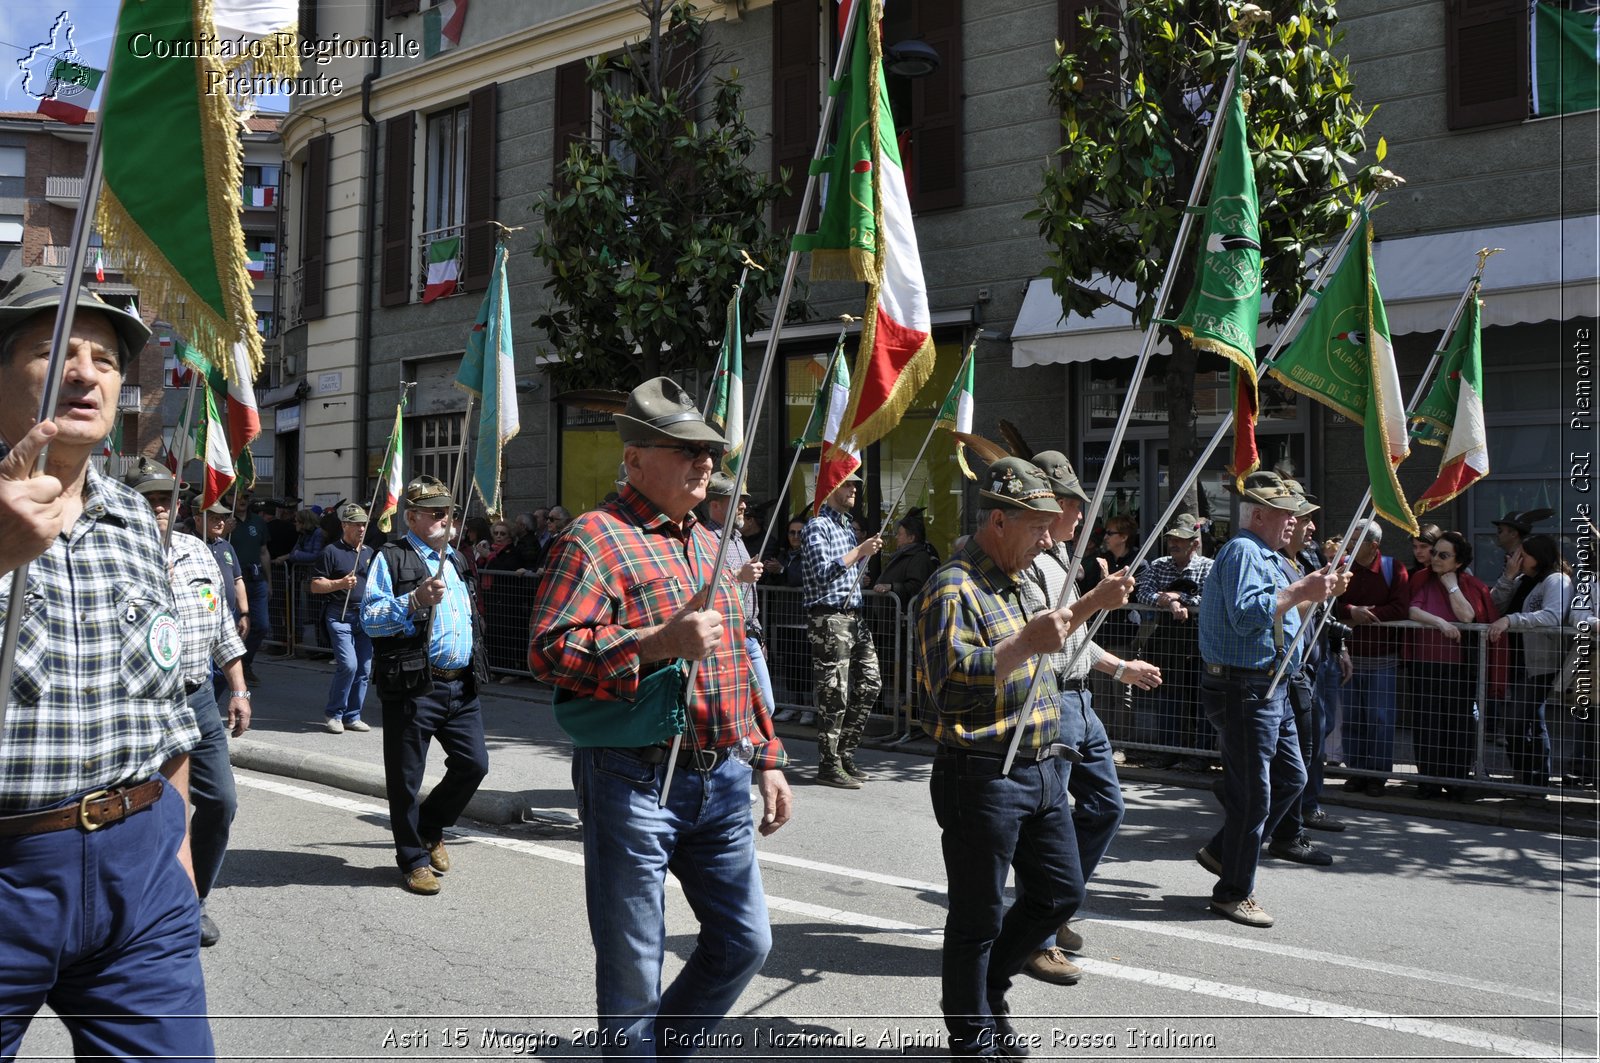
527	749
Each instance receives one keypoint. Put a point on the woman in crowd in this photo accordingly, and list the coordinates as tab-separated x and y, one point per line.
507	592
1445	660
1421	545
1535	614
912	562
786	570
308	546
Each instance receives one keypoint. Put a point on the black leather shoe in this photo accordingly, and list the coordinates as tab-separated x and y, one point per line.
1320	820
1008	1043
1300	851
210	934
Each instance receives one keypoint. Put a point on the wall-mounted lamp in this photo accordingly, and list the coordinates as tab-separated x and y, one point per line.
911	59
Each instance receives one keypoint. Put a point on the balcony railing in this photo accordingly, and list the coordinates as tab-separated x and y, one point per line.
425	244
130	397
56	255
62	189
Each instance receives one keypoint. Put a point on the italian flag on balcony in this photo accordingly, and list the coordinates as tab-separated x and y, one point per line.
444	268
256	263
441	26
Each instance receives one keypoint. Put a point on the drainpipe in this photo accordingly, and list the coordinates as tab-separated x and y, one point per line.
369	181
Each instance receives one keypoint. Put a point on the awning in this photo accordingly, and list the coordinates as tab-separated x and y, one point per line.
1549	272
291	392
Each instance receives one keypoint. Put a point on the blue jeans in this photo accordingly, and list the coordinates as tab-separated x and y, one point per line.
758	666
705	837
1527	737
1330	692
1369	711
256	591
211	792
448	712
352	666
990	823
104	928
1262	774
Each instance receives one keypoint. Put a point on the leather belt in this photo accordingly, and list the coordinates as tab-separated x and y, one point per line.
1079	685
191	685
829	610
447	675
1024	756
90	812
698	759
1225	671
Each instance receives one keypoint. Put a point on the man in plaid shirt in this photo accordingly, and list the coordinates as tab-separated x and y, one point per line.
98	914
978	649
621	601
1174	585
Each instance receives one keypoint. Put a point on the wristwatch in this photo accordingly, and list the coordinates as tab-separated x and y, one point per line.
245	694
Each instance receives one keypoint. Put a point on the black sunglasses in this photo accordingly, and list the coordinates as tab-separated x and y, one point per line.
1438	553
692	451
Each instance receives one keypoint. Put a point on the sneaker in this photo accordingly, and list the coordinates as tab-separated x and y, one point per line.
357	724
1051	965
334	726
1209	861
1299	850
1197	765
421	880
785	715
1355	785
1161	760
836	778
1118	757
1069	939
1320	820
209	933
849	766
901	739
807	719
1246	912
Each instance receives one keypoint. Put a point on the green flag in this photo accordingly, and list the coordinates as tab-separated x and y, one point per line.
489	371
836	375
173	170
725	406
1566	59
1224	305
1343	359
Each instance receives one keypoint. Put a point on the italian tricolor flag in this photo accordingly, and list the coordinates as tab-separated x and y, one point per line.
441	26
392	471
256	263
956	413
232	419
839	457
444	268
213	448
1451	416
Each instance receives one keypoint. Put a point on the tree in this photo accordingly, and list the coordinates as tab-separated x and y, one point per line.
1137	91
643	230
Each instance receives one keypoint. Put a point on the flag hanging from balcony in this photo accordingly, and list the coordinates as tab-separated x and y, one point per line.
956	413
1451	415
173	173
441	26
896	355
725	405
392	471
1224	306
1343	359
256	265
1566	57
70	92
489	371
444	268
840	457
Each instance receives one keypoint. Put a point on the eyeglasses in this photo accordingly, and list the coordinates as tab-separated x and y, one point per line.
554	520
1440	554
692	451
434	514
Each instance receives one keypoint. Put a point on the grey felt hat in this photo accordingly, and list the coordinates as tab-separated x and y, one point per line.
1058	470
1015	483
659	410
38	290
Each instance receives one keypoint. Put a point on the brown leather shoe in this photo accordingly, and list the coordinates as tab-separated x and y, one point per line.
1052	965
1068	939
421	880
437	857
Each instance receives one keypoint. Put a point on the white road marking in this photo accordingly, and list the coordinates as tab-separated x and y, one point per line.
930	936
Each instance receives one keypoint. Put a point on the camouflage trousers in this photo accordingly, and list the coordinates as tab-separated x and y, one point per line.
845	669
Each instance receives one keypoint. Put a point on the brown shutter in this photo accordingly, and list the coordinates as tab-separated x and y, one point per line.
796	103
395	269
936	180
314	231
399	8
573	104
1486	62
479	255
1072	34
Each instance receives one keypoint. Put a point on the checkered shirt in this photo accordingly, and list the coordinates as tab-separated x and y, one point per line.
828	537
449	631
96	696
209	633
1238	611
627	566
1160	573
967	609
1041	584
738	557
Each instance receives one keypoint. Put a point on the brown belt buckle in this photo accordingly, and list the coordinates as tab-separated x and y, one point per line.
83	811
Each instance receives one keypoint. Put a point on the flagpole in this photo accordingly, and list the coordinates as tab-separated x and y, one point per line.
972	349
1348	549
790	267
405	389
783	492
1213	135
177	479
77	252
1325	271
455	481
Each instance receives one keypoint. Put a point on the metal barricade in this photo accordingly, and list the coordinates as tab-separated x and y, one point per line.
785	622
506	600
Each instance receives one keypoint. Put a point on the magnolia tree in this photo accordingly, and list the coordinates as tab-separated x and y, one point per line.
1137	91
641	234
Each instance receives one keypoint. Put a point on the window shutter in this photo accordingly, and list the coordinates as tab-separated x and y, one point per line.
399	8
796	103
936	101
480	235
314	232
1486	62
395	268
308	20
573	104
1073	36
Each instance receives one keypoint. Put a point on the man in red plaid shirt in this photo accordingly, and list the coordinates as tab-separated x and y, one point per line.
621	605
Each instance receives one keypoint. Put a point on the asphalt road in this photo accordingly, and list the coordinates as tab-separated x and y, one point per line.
1425	940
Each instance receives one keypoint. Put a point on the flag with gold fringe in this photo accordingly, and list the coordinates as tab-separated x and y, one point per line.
1451	415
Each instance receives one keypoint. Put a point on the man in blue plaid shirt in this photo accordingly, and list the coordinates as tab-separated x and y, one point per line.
98	913
844	661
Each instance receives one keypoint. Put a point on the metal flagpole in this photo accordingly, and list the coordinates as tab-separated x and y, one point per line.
781	308
77	254
1325	271
888	517
1348	558
783	492
1213	135
405	389
183	434
455	489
